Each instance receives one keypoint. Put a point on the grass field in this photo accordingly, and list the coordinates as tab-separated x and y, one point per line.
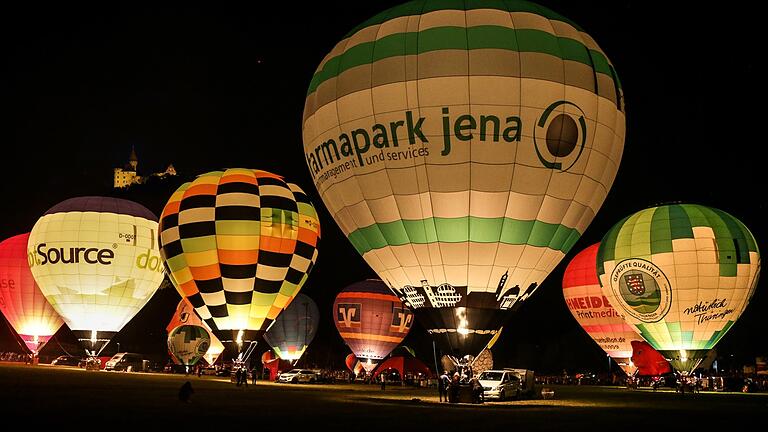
75	398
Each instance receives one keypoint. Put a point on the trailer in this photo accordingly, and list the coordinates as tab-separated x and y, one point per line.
527	380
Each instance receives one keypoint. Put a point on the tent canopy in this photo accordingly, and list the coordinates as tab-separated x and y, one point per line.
403	365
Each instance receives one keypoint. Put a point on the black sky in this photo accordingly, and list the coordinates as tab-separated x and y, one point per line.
223	86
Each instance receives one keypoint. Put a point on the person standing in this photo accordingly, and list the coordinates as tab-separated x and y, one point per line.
185	392
442	386
477	391
454	388
237	377
383	381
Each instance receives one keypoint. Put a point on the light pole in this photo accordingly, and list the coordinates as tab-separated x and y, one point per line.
118	347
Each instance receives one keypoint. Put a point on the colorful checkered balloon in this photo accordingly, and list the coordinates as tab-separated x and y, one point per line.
239	245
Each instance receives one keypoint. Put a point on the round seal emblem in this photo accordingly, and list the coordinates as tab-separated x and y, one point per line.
643	290
202	347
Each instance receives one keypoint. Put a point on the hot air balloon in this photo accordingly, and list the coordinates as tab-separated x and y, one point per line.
648	361
482	362
350	360
294	329
463	149
21	301
97	262
371	320
681	274
354	365
185	315
593	311
267	357
273	365
188	343
239	245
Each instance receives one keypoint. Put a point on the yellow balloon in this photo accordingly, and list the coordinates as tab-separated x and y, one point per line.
97	261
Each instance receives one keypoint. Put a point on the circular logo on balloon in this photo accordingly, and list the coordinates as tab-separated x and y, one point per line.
202	347
560	134
642	288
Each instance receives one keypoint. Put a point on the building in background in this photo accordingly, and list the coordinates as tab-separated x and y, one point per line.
127	175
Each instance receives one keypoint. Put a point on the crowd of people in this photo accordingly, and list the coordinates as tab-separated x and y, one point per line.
449	386
14	357
734	382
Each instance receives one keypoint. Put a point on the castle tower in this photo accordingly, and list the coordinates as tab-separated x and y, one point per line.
133	161
127	175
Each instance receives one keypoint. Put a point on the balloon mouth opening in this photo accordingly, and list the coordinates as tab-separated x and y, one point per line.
94	341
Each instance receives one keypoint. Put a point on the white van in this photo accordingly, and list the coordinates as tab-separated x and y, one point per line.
500	384
527	380
130	362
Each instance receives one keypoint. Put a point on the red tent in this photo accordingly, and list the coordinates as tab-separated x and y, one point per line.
404	365
649	362
276	366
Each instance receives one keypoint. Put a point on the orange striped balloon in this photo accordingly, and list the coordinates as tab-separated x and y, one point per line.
371	320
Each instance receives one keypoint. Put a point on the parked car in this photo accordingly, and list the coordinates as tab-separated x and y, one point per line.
66	360
500	384
130	362
298	375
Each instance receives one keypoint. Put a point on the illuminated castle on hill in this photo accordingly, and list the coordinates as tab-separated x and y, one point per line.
127	176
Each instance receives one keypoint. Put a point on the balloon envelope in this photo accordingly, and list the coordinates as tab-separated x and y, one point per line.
239	245
350	360
371	320
21	301
463	148
648	361
681	274
97	262
482	362
294	328
188	343
267	357
185	315
353	364
593	311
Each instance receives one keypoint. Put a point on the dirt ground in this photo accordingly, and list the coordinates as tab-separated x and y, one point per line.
74	398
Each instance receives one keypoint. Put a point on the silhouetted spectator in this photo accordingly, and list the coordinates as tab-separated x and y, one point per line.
185	392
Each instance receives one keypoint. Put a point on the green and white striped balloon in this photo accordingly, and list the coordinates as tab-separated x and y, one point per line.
463	147
680	274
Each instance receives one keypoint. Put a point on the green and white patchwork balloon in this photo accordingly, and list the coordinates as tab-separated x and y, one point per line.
680	274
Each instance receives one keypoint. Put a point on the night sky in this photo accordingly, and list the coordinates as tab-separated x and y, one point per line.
212	87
